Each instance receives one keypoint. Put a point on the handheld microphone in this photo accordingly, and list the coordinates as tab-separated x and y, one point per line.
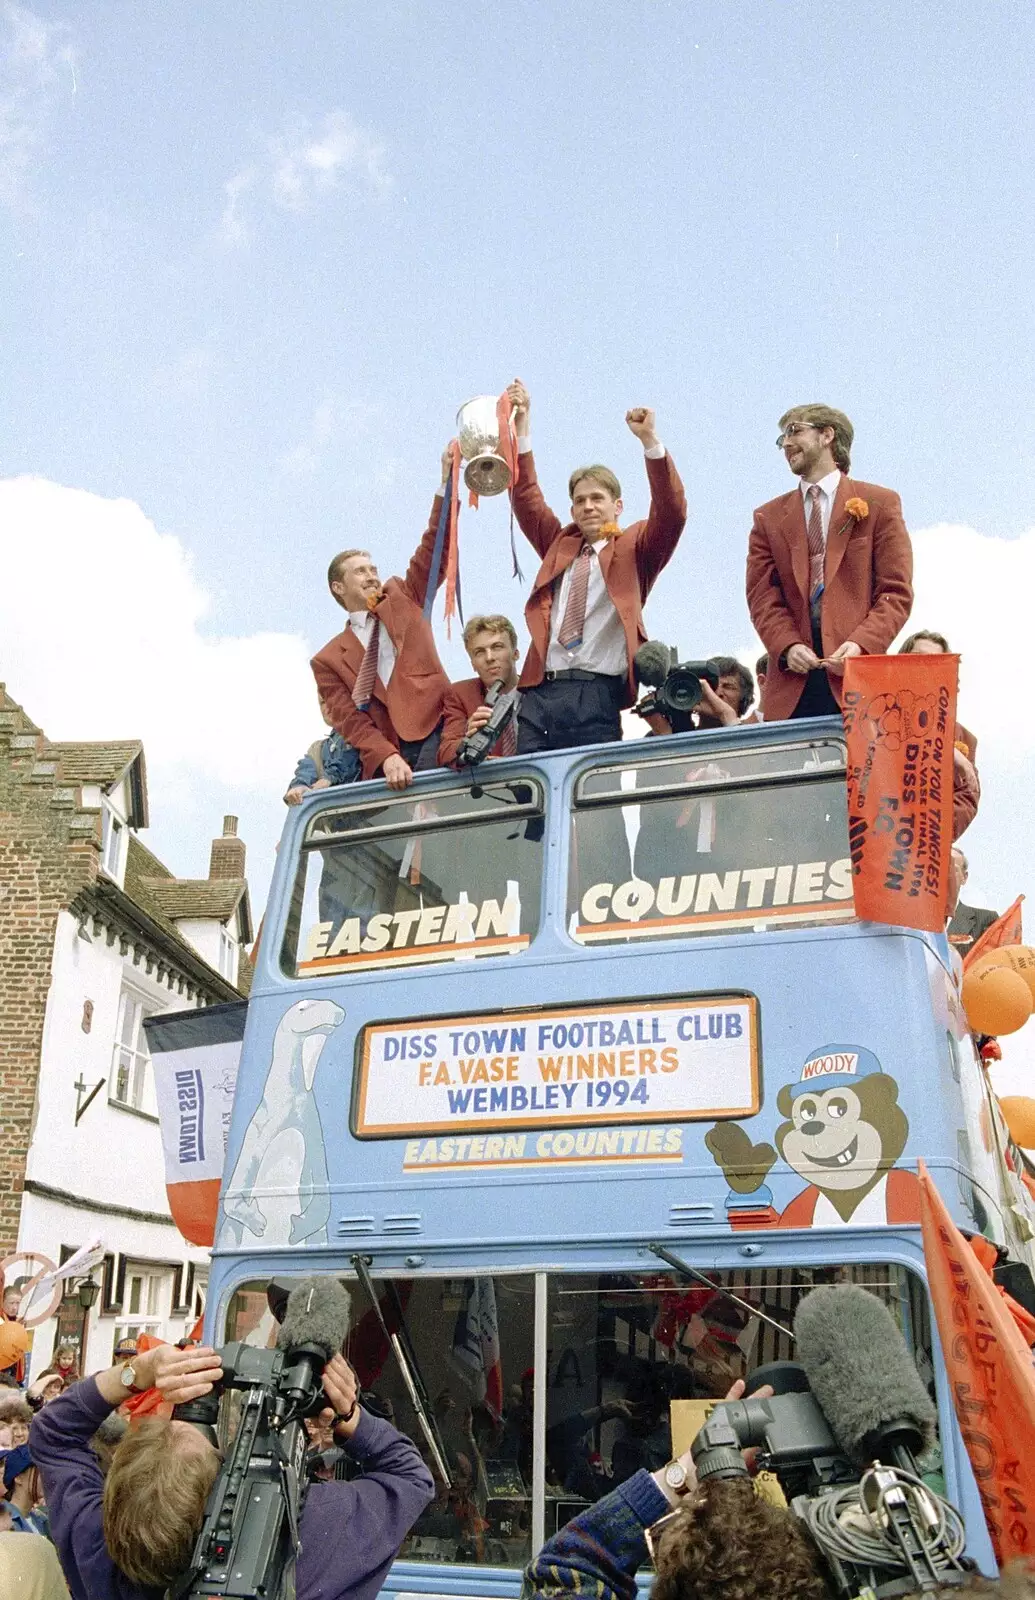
860	1371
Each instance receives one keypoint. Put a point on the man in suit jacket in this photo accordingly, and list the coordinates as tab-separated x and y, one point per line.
381	680
829	568
967	923
491	643
585	612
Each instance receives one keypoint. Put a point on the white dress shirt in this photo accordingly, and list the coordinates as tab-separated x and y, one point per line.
361	623
828	487
603	647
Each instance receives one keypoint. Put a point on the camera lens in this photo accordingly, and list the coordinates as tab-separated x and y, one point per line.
682	689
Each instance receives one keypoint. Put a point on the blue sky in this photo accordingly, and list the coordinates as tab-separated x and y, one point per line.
255	255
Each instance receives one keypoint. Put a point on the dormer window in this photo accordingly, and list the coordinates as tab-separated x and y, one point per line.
227	954
113	842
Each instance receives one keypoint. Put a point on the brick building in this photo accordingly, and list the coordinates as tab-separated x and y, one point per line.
95	935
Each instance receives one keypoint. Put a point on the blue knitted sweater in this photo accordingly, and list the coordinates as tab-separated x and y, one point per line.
596	1554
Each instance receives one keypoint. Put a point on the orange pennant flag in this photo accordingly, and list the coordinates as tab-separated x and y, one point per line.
1003	931
899	715
990	1374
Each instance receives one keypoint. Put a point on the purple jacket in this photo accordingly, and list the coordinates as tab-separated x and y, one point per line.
351	1532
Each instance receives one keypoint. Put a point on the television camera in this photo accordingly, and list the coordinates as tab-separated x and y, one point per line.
842	1434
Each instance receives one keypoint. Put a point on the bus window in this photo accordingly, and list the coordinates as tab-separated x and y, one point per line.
401	881
742	840
636	1362
471	1343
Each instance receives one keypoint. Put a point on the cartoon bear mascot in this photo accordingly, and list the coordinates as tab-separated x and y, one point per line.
844	1132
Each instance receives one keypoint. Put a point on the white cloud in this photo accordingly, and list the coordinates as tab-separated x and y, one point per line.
977	591
301	163
35	63
102	622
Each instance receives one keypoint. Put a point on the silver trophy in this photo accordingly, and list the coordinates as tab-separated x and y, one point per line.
478	431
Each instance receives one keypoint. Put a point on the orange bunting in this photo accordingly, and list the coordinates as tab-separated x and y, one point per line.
1004	931
990	1376
900	718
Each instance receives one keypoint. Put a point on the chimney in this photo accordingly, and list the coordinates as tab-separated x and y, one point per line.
227	858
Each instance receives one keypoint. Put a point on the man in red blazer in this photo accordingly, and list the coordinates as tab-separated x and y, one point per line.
491	643
585	612
829	568
381	680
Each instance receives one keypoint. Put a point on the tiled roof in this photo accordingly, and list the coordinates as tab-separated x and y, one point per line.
94	763
103	763
152	887
195	897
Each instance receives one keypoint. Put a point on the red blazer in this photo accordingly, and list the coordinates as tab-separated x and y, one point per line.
630	560
868	591
461	699
411	705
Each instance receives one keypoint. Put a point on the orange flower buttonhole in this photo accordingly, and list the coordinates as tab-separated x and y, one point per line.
857	509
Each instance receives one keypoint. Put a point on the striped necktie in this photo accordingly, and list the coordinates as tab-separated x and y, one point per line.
363	688
815	538
506	744
574	620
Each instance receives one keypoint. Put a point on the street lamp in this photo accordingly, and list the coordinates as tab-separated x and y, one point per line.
86	1291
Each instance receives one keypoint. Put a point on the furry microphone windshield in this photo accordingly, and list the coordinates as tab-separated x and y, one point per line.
861	1372
317	1314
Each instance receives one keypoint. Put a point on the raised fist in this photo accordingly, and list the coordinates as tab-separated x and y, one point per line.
517	394
641	422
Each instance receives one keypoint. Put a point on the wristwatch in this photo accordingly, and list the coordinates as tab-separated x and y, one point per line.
677	1479
128	1378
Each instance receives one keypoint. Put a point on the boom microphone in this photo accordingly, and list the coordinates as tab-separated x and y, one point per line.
315	1327
860	1370
317	1316
652	663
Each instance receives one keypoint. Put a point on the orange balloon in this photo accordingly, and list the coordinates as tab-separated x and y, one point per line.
1019	1112
996	1000
14	1341
1016	958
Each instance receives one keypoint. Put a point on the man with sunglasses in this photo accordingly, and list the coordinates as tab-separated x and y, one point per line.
829	568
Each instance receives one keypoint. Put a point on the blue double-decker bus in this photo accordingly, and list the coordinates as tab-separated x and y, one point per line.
582	1071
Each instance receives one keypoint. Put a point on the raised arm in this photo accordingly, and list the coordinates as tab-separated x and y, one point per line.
537	522
598	1552
358	1527
419	570
657	539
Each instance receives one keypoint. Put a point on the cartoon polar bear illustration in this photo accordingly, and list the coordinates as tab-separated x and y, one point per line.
288	1108
843	1133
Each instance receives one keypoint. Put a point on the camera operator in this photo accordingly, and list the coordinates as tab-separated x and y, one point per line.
723	706
720	1542
130	1535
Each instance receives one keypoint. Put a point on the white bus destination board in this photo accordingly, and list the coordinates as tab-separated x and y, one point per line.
573	1066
